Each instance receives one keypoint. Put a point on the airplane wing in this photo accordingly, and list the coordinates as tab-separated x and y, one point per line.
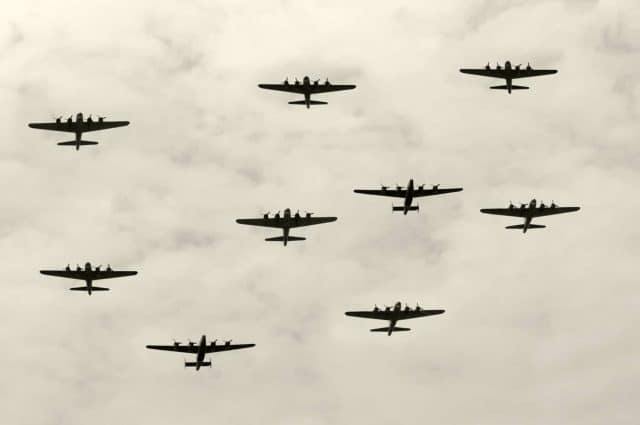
526	73
285	222
69	127
527	212
290	88
430	192
412	314
70	274
263	222
177	348
97	125
226	347
326	88
380	314
541	212
392	193
310	221
483	72
111	274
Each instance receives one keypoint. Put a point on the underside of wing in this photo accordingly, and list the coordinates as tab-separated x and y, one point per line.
263	222
103	125
431	192
68	127
495	73
69	274
310	221
176	348
510	212
227	347
289	88
326	88
526	73
380	315
112	274
419	313
392	193
541	212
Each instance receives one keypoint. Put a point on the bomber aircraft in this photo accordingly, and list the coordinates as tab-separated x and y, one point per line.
307	88
529	212
200	350
509	73
88	275
79	126
393	315
408	194
286	222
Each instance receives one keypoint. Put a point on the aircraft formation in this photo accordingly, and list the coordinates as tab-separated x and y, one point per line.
288	220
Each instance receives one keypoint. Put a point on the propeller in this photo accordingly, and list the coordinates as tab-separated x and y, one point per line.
191	343
498	65
266	215
308	214
297	215
326	82
435	186
518	66
375	307
228	342
553	204
286	80
488	66
511	204
316	82
176	343
421	187
418	308
213	343
406	307
383	187
528	65
108	267
398	187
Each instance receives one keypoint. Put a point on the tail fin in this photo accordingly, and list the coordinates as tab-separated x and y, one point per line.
531	226
389	330
311	102
74	143
512	87
411	208
281	239
86	288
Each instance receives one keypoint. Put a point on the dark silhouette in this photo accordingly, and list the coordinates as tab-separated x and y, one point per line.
408	194
88	275
285	223
200	350
509	73
307	88
78	127
529	212
393	315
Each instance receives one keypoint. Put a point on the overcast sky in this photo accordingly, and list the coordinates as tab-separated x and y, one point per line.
539	328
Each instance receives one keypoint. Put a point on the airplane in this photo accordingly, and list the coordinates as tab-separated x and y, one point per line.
88	275
393	315
78	127
408	194
286	223
200	350
529	213
307	88
509	73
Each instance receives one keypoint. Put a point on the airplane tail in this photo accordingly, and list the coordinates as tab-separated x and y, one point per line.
311	102
86	288
522	227
195	364
74	143
401	208
281	239
389	330
505	87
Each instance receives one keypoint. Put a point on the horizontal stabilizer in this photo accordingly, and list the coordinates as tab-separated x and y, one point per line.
281	239
195	364
412	208
86	288
512	87
311	102
531	226
74	143
394	329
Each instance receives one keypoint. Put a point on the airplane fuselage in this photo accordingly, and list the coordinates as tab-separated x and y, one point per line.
408	199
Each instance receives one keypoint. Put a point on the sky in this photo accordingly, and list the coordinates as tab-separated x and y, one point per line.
539	328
